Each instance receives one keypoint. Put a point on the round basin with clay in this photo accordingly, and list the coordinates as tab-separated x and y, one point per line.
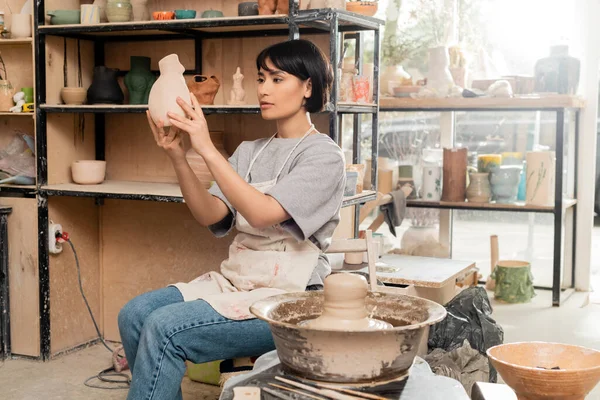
348	356
547	371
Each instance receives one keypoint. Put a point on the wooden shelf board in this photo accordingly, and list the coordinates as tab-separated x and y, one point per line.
7	190
540	102
21	114
519	206
16	41
152	191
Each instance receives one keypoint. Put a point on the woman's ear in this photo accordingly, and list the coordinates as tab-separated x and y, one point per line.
308	89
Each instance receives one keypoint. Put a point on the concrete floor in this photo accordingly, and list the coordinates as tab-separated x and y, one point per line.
576	322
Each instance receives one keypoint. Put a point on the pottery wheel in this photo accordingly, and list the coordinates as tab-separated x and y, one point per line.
344	306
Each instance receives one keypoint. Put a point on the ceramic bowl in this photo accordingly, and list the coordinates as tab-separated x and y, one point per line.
88	172
212	14
163	15
340	356
367	8
185	14
528	369
64	17
73	95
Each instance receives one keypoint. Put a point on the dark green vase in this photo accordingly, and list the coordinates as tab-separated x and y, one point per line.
139	80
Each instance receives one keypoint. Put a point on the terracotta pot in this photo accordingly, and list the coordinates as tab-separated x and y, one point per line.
454	187
6	95
267	7
527	369
73	95
88	172
197	162
367	8
204	88
163	15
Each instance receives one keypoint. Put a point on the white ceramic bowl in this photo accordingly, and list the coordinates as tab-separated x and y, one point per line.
88	172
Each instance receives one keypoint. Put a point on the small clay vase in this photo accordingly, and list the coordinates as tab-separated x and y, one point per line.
454	185
479	188
248	8
119	10
139	80
105	87
204	88
169	85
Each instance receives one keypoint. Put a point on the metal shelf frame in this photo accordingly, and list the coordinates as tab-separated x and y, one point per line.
334	23
559	293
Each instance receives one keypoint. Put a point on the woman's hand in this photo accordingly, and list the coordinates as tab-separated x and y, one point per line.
170	142
196	126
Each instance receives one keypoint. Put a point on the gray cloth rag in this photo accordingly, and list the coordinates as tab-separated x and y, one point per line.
394	211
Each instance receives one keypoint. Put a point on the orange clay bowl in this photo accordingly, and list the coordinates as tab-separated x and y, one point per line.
163	15
527	368
366	8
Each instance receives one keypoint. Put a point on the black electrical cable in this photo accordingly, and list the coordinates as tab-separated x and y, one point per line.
109	371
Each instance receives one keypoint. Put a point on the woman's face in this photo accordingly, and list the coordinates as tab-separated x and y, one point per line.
280	94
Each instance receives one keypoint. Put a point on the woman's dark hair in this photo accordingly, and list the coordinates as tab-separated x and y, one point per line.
304	60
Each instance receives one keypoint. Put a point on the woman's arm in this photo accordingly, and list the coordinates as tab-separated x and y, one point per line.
260	210
205	208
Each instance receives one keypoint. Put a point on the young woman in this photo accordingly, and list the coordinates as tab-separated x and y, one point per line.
283	194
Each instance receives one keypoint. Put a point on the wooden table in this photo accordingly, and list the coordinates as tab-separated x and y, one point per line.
432	278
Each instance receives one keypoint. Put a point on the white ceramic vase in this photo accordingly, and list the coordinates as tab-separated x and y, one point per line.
140	10
541	169
432	183
20	26
418	235
439	78
169	85
392	76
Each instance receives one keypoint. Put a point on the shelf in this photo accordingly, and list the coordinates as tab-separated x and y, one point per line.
517	207
316	21
344	108
8	190
21	114
531	103
16	41
150	191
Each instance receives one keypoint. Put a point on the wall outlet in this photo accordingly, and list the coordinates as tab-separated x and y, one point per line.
53	246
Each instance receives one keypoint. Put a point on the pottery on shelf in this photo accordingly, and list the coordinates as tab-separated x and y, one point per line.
139	80
102	9
454	187
212	14
237	96
512	158
105	87
504	181
73	95
544	371
439	78
118	11
268	7
20	26
197	162
248	8
28	91
6	95
64	17
318	4
88	172
90	14
204	88
367	8
479	190
139	9
558	73
541	170
432	183
485	162
185	14
393	76
169	85
163	15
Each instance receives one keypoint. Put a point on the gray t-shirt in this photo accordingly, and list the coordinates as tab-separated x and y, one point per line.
310	188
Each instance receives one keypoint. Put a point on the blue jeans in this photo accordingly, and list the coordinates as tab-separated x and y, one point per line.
160	332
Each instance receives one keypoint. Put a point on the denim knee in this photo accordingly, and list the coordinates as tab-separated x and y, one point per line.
130	316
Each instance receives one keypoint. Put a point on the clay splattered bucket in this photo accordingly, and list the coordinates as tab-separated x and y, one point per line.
348	356
529	368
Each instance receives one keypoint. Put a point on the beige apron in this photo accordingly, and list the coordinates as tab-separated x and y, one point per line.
261	263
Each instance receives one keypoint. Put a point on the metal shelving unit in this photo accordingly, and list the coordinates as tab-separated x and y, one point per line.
324	21
558	104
